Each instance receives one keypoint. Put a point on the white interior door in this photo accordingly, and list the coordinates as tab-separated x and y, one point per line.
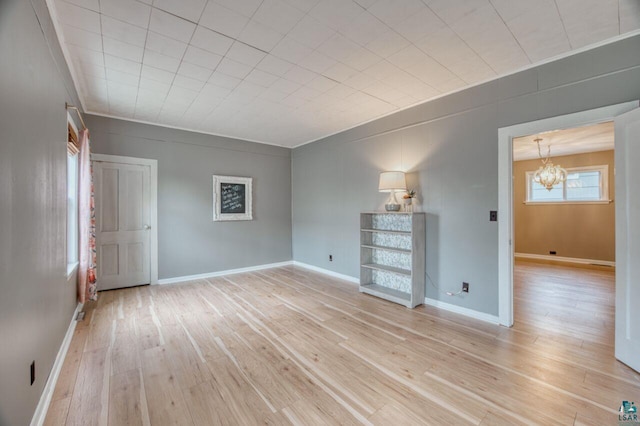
627	157
122	196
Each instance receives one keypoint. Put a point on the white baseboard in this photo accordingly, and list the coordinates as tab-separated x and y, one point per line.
565	259
220	273
493	319
327	272
47	393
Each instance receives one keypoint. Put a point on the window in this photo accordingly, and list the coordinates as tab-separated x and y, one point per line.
583	185
72	198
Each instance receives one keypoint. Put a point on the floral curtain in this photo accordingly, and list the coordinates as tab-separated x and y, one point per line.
87	224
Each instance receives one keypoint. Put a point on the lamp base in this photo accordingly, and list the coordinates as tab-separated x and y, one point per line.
392	207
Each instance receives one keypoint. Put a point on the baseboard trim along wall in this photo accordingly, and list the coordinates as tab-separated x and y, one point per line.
348	278
47	393
562	259
431	302
493	319
220	273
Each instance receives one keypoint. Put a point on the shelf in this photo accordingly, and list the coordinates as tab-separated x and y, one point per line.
377	290
396	239
386	212
387	269
397	250
386	231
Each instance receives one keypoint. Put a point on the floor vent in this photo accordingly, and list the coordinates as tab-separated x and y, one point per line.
80	316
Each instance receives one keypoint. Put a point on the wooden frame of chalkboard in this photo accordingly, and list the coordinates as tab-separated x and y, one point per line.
232	198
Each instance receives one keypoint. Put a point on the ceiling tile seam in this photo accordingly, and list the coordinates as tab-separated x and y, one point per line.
510	31
144	50
564	27
104	58
462	39
619	24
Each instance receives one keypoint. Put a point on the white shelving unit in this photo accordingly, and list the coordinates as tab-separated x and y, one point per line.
392	256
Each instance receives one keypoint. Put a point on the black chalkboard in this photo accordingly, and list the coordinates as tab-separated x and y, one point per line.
233	198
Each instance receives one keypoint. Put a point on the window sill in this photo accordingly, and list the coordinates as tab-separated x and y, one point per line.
72	268
544	203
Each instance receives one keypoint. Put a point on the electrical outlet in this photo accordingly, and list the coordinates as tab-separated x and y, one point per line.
493	216
33	372
330	258
465	287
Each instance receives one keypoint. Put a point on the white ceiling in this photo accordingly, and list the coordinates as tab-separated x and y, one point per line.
287	72
597	137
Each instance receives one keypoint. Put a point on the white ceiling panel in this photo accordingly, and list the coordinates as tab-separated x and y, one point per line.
211	41
123	31
310	32
244	7
195	71
165	45
274	65
171	26
83	38
393	12
278	15
79	17
245	54
260	36
130	11
589	21
223	20
287	72
122	50
186	9
158	60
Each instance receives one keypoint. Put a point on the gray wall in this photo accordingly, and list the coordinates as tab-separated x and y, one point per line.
189	242
36	300
450	148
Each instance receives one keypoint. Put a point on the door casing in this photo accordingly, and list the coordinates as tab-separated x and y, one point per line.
505	188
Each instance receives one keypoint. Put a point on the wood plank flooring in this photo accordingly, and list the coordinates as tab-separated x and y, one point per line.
290	346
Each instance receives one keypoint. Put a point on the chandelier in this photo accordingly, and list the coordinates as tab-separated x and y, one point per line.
548	175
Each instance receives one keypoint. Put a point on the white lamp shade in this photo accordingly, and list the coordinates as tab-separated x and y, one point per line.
390	181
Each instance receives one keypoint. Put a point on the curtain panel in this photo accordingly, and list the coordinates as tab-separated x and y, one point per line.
87	289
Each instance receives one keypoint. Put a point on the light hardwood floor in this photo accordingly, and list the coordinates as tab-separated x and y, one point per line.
289	346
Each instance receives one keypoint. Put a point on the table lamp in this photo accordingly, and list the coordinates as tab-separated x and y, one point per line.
392	182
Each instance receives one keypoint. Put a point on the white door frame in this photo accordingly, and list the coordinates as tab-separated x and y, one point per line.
153	207
505	188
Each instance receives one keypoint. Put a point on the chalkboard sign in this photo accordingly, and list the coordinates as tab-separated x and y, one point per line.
232	198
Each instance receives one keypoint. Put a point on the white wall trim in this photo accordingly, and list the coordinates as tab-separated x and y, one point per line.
348	278
565	259
47	393
220	273
153	183
505	190
493	319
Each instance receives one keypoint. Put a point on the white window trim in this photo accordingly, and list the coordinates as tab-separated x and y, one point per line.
604	187
72	266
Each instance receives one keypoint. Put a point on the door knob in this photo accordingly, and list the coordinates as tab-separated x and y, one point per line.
147	227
